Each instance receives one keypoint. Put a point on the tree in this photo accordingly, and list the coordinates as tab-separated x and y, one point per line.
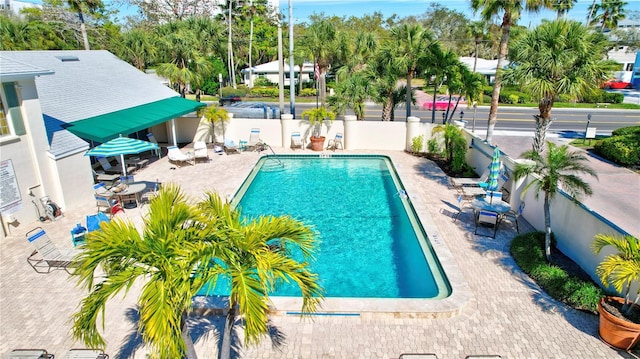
385	77
477	30
320	40
448	26
138	47
560	57
352	93
80	6
562	7
440	63
164	254
558	169
607	13
468	84
258	260
510	10
214	115
412	42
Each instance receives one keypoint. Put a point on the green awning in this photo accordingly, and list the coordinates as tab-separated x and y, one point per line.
123	122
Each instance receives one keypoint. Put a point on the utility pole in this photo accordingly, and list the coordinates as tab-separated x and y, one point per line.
280	68
292	77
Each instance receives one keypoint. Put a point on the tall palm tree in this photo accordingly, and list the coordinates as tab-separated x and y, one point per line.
385	75
258	260
80	6
412	42
477	31
440	63
320	40
562	7
607	14
138	48
510	10
352	93
470	86
560	57
558	168
214	115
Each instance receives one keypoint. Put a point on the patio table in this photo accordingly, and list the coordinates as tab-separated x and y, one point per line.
131	191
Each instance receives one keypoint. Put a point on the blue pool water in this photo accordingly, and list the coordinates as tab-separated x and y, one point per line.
370	247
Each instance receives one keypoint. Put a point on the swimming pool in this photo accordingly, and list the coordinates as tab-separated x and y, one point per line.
371	243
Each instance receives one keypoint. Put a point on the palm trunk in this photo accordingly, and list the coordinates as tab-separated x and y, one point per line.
433	108
547	226
323	85
502	53
225	348
408	97
191	350
83	31
447	119
475	59
543	122
455	108
387	108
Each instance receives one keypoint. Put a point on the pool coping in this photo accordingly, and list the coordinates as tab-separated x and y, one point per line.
449	306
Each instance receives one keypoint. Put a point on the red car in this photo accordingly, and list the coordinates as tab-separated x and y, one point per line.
442	103
616	85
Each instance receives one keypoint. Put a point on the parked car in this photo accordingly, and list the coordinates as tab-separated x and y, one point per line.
251	109
615	85
442	103
229	99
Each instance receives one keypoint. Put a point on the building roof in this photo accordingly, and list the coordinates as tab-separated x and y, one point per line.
12	70
84	84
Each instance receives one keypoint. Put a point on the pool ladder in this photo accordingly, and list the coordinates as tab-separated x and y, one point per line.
274	158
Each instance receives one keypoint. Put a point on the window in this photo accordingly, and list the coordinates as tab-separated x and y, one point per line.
12	123
4	125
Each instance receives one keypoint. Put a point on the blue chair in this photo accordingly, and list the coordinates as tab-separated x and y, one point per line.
94	220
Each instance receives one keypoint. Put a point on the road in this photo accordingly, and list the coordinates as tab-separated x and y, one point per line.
519	118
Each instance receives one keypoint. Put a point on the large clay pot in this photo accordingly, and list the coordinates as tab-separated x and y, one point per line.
617	332
317	143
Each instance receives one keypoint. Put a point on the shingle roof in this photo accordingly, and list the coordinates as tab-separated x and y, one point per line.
85	84
11	70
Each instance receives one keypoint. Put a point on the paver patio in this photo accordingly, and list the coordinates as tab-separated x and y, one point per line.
507	314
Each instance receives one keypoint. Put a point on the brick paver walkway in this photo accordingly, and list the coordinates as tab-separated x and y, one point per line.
506	313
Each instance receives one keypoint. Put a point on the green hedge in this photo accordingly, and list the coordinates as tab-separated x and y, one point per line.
264	92
230	91
602	96
308	92
631	130
528	251
624	150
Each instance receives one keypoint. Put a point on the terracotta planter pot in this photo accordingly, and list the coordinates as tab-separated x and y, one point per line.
317	143
617	332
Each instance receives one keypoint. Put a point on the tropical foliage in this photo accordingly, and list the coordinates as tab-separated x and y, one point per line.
317	117
555	170
181	248
557	58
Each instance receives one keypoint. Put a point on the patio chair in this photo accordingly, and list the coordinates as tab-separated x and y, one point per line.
28	354
176	156
336	142
254	139
487	218
126	165
147	196
107	204
515	214
461	200
296	140
85	354
50	256
152	139
200	151
230	147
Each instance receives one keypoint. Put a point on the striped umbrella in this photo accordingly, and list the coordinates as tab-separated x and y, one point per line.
494	171
121	146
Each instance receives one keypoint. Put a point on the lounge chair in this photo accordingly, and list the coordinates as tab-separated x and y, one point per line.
487	218
461	200
458	182
50	256
107	167
254	139
230	147
336	142
200	150
128	167
515	214
177	156
152	139
85	354
100	176
296	140
28	354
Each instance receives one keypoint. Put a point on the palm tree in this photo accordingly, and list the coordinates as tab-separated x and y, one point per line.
510	10
162	254
352	93
138	48
562	7
557	169
607	13
258	260
385	73
84	5
412	42
319	39
214	115
560	57
477	31
620	269
469	84
440	64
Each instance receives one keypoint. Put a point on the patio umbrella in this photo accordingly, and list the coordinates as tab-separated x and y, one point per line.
121	146
494	171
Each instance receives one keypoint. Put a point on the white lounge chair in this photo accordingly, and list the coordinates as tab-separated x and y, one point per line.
296	140
254	139
177	156
107	167
50	256
230	147
28	354
200	151
85	354
336	142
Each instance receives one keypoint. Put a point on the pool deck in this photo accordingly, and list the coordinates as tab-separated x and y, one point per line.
497	309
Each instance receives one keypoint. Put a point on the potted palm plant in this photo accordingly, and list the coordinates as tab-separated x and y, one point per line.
317	117
619	316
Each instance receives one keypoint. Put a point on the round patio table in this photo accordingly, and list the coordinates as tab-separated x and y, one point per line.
498	206
132	191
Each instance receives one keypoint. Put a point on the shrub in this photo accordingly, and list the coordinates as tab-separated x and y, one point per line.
631	130
601	96
308	92
433	146
417	143
263	81
230	91
264	92
528	252
613	97
624	150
